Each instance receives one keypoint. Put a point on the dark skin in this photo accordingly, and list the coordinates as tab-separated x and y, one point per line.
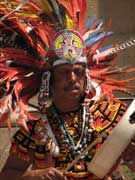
67	89
68	86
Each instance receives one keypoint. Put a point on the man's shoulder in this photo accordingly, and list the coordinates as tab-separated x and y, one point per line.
102	105
28	129
106	113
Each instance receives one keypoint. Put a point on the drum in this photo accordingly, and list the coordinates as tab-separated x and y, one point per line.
114	145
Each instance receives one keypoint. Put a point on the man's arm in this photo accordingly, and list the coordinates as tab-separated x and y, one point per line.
129	156
14	168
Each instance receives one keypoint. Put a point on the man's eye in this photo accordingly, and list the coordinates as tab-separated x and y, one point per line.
79	72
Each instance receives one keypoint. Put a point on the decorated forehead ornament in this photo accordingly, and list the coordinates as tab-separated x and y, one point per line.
68	47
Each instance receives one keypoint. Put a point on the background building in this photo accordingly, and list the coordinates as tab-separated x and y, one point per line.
122	13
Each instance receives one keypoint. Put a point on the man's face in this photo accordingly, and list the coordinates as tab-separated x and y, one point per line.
68	82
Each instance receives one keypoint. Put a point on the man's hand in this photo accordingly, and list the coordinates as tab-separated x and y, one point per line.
47	174
129	156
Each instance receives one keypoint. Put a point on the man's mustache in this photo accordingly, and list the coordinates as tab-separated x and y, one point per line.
71	86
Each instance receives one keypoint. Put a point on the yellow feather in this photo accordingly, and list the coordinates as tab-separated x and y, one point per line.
9	3
69	22
31	15
46	6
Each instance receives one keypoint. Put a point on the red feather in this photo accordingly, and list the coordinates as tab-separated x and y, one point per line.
68	6
82	15
19	56
29	84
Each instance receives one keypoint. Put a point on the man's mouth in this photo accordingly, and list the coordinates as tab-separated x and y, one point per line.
72	88
73	91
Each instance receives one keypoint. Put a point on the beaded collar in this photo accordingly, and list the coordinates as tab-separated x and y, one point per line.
85	120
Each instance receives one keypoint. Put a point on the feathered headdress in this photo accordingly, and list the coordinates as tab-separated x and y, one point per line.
33	36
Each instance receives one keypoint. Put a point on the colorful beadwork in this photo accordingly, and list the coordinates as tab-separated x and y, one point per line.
101	116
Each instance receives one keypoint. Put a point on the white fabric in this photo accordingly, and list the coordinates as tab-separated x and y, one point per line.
81	59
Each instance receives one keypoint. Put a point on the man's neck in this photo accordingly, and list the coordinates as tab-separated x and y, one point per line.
67	107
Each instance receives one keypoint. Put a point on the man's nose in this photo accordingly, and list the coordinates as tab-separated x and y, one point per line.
72	76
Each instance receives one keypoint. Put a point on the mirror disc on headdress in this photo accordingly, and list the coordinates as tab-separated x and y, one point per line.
68	45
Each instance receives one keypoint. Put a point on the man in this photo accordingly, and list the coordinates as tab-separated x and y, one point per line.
71	72
68	91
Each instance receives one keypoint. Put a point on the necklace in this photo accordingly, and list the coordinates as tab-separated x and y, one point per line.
85	119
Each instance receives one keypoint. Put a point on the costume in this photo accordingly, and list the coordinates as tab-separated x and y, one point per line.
103	116
46	34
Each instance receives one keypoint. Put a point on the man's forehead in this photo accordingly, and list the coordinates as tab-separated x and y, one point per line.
69	66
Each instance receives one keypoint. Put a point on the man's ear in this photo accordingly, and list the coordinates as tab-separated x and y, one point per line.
91	93
94	90
90	86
